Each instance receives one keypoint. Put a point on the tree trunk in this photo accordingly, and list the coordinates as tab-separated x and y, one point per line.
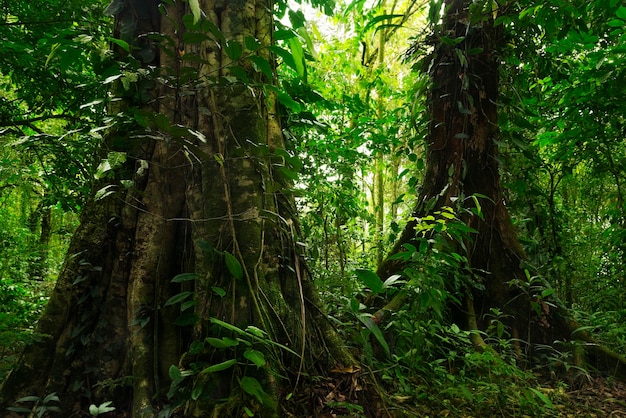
209	207
462	161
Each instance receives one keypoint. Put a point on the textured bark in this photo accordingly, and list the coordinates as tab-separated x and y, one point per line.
108	333
462	160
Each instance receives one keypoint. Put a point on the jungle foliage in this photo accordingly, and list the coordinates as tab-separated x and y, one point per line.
352	82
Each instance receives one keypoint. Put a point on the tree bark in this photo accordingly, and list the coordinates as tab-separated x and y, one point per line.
208	203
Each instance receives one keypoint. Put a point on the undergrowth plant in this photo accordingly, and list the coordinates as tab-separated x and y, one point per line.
422	357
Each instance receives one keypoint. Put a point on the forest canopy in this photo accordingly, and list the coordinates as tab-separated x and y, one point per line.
351	208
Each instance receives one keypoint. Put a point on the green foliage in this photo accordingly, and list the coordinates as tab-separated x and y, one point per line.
103	408
243	353
40	406
563	145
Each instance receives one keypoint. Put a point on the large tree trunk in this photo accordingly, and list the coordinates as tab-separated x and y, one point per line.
462	160
216	208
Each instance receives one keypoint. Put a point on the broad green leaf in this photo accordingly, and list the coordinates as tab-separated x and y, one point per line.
224	342
370	279
196	392
255	357
19	409
392	281
233	265
194	5
220	366
621	12
284	34
122	44
218	291
252	387
543	397
208	26
188	304
174	373
253	333
52	397
31	398
298	56
184	277
104	192
261	65
285	55
256	331
366	319
296	18
251	43
379	19
233	49
286	100
238	72
195	37
177	298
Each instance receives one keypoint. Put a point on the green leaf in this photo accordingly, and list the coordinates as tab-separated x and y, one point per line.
174	373
188	304
122	44
233	49
177	298
31	398
379	19
196	392
253	333
256	331
184	277
252	387
51	397
286	100
251	43
543	397
285	55
195	37
370	279
218	291
238	72
284	34
255	357
261	65
296	18
19	409
621	12
366	319
298	56
194	5
220	366
104	192
233	265
104	407
224	342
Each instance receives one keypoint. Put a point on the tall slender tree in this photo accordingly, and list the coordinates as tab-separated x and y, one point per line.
184	284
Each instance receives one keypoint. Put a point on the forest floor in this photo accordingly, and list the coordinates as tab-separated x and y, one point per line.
596	397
